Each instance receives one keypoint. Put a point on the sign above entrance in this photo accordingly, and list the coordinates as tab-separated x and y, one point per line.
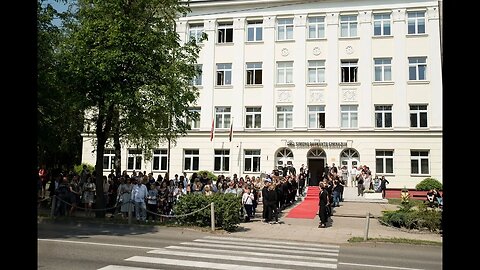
291	143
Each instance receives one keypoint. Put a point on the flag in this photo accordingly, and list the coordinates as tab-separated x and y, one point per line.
212	131
230	135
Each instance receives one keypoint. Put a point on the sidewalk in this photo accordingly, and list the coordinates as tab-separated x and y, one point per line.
348	220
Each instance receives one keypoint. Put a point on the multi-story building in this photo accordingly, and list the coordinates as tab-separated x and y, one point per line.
355	82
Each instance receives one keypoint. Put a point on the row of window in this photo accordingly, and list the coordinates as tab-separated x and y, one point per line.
382	26
419	164
316	117
382	69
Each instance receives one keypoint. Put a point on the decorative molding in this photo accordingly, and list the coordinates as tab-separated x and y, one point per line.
332	18
317	96
285	52
349	95
300	20
398	15
432	13
316	51
269	22
209	25
349	49
284	96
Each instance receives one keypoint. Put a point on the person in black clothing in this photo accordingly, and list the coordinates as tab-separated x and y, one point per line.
322	204
383	185
272	202
264	198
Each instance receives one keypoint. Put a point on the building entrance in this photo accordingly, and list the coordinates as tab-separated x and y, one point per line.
315	171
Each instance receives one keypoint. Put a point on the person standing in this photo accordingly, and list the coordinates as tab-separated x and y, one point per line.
139	195
383	185
322	204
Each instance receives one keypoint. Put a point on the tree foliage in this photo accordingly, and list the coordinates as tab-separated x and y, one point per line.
125	59
59	110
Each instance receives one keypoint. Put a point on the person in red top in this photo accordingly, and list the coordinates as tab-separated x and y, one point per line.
42	173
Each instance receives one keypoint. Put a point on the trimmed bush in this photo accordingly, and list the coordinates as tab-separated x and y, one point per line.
418	217
428	184
210	175
227	210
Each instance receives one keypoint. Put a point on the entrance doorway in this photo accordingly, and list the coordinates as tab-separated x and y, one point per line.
349	157
315	171
316	165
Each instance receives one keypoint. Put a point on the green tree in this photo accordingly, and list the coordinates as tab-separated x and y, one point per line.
125	58
59	110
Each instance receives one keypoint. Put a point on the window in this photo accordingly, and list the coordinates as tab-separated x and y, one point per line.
284	116
253	117
384	161
416	22
224	74
316	116
383	116
254	30
417	68
382	24
195	32
109	159
349	70
225	32
348	25
198	78
383	69
222	117
316	71
191	160
285	29
316	27
160	161
252	161
349	115
419	162
254	73
284	72
418	116
222	160
134	160
194	122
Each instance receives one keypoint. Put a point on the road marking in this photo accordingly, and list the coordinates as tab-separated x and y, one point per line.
205	265
268	241
95	243
264	259
253	253
237	247
120	267
381	266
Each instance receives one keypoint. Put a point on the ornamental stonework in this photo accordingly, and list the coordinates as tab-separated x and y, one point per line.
284	96
316	96
349	95
349	49
285	52
316	51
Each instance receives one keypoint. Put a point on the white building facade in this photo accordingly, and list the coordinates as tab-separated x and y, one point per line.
315	83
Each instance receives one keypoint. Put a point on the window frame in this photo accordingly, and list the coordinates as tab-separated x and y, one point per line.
135	157
287	68
110	155
255	72
349	113
198	31
223	117
287	29
349	64
383	68
415	20
162	156
224	70
382	22
349	23
223	157
419	164
193	155
385	157
254	157
194	123
418	68
255	25
418	111
382	111
317	26
317	114
319	70
225	28
287	116
253	114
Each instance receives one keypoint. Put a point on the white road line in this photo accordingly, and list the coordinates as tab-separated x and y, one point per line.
265	245
268	241
243	259
121	267
381	266
94	243
254	253
236	247
205	265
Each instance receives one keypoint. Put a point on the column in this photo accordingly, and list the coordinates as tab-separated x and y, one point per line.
332	70
365	107
269	69
401	118
299	76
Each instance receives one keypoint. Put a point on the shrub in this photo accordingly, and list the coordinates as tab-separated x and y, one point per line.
78	168
210	175
227	210
428	184
418	217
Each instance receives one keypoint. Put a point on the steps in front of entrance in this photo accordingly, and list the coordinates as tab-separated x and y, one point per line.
350	195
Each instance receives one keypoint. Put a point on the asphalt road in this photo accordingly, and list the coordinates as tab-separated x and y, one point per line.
115	247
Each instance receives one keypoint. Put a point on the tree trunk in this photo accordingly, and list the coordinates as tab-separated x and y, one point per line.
117	146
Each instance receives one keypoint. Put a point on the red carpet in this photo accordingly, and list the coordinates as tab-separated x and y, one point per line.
309	207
